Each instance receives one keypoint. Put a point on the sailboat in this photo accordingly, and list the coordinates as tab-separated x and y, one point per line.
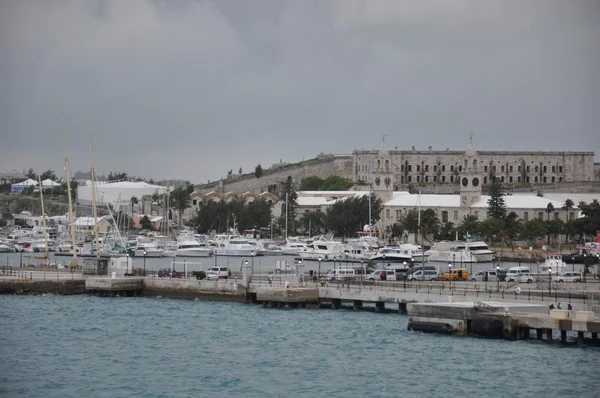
74	263
43	256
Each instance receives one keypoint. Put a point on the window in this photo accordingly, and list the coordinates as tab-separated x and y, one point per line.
518	169
485	168
536	169
434	167
401	167
510	179
387	213
443	178
535	179
571	215
402	179
409	178
526	216
444	217
443	167
554	169
451	167
476	214
426	167
410	167
378	163
541	215
502	169
426	178
545	169
527	178
519	179
387	164
455	215
418	178
502	178
494	169
511	169
544	179
195	202
556	215
434	178
459	168
553	178
451	178
418	167
560	169
528	169
485	180
398	215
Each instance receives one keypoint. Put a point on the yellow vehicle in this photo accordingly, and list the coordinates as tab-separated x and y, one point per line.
457	274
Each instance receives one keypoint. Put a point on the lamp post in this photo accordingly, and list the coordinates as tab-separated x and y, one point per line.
299	268
584	263
450	275
320	267
549	280
383	260
404	279
145	262
498	276
252	254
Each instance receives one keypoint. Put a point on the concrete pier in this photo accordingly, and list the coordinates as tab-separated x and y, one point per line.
114	286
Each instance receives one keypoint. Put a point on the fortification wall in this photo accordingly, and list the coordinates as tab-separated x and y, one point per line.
272	179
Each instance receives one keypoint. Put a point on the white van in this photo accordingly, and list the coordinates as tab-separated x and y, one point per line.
485	276
515	272
341	274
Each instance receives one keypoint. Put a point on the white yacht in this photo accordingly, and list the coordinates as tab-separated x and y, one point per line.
554	264
324	248
448	252
478	249
392	254
188	246
237	247
148	249
293	245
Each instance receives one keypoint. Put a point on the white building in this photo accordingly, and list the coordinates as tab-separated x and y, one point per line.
115	193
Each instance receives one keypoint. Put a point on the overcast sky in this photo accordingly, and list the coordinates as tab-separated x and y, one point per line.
190	89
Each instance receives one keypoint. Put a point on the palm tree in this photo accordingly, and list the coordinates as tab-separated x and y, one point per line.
567	207
134	201
549	209
180	199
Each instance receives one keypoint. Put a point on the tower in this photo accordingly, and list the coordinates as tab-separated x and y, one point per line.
383	181
470	181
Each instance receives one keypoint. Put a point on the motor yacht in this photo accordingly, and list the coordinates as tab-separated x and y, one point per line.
554	264
478	249
392	254
237	247
324	248
188	246
148	249
448	252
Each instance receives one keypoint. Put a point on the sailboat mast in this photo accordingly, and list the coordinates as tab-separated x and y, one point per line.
68	177
43	216
94	211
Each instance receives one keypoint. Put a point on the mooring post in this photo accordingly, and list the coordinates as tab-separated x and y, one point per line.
580	338
539	333
563	336
549	334
357	304
379	306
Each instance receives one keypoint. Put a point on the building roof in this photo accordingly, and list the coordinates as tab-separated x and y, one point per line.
49	183
88	221
312	201
405	199
27	183
575	197
124	184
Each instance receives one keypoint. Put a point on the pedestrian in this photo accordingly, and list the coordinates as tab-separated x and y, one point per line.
570	307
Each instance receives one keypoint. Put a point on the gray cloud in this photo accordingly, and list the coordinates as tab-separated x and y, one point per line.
192	89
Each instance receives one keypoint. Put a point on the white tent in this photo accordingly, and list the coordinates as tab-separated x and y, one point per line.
19	187
49	184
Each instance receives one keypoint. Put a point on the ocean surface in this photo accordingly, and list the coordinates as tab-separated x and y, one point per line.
86	346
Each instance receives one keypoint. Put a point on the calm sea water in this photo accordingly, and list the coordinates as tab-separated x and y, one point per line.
85	346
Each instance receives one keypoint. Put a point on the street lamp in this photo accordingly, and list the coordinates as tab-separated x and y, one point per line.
549	280
450	275
320	267
383	260
498	276
145	262
252	254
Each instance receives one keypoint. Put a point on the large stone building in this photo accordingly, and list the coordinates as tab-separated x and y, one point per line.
445	167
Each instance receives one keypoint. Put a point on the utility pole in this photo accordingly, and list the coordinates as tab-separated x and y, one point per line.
286	215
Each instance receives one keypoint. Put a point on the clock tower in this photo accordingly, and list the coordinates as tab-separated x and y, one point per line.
383	176
470	179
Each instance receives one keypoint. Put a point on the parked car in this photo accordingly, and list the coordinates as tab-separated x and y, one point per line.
428	275
214	273
341	274
572	276
485	276
524	277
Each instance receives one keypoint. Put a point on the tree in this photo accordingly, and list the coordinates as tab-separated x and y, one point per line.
331	183
116	176
134	201
240	171
31	174
468	226
549	209
313	223
567	207
534	229
48	174
496	205
145	223
347	216
258	171
180	200
288	193
255	214
430	223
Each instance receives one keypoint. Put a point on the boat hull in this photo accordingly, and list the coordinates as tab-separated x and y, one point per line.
194	253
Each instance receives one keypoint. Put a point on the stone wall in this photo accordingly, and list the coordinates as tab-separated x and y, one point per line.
323	166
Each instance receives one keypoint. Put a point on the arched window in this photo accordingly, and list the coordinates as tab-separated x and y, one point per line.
378	163
475	164
466	164
387	164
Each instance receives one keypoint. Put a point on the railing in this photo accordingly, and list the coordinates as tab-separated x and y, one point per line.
19	273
